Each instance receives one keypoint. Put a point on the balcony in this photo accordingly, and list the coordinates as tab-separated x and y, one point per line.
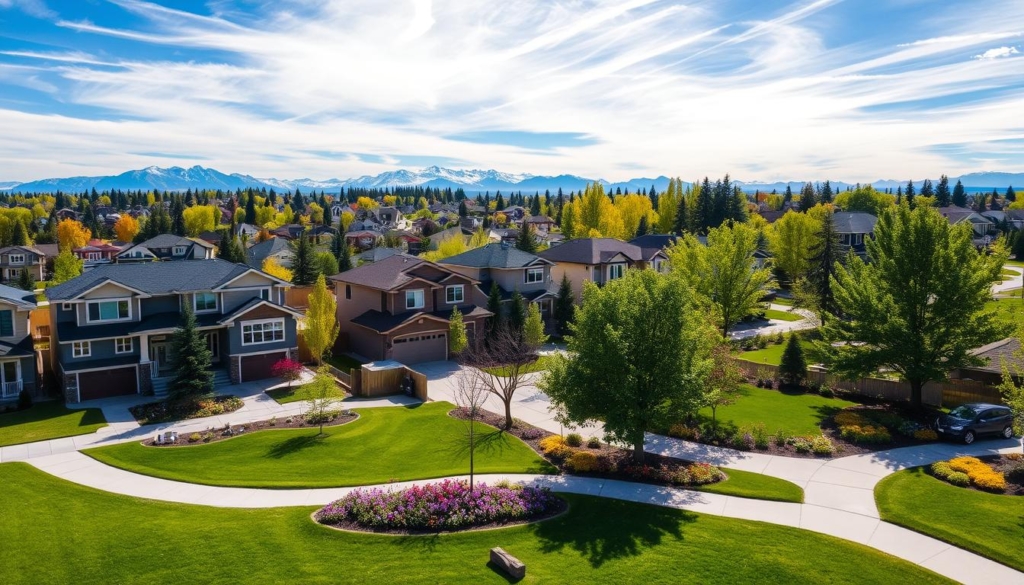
10	389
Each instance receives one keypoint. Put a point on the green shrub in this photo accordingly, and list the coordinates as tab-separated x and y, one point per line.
1016	473
793	367
702	474
574	440
826	392
593	443
582	462
760	435
959	478
822	445
780	438
802	446
761	342
317	418
866	434
195	438
942	470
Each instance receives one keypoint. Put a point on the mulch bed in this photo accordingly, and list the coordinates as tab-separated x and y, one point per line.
654	469
212	435
557	509
1001	463
165	411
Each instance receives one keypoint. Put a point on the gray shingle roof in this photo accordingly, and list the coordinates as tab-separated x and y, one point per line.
171	240
493	256
383	322
263	250
651	244
854	222
17	296
385	274
997	353
153	277
592	251
378	254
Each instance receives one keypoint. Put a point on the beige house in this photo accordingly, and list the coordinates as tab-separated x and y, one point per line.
597	260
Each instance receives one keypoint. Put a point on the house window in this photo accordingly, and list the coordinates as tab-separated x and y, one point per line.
81	349
659	265
597	274
414	299
6	323
534	275
123	345
17	258
99	311
179	250
455	294
615	271
262	332
94	256
265	294
65	306
205	302
348	292
213	344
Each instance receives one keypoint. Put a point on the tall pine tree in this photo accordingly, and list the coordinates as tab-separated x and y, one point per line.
304	264
959	195
942	194
825	254
193	379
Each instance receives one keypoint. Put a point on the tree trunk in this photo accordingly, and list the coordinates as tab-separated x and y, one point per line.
916	388
508	415
638	451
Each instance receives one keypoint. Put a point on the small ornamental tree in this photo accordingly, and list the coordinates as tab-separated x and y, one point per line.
533	328
321	320
470	395
793	368
287	369
65	267
457	340
723	384
192	358
323	394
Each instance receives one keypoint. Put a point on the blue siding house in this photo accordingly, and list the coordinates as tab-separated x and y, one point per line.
113	326
17	358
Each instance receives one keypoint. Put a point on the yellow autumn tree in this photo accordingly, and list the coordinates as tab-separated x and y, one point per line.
126	228
633	208
200	218
72	234
366	203
597	214
272	267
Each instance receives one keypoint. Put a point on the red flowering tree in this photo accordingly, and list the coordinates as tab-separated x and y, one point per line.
287	369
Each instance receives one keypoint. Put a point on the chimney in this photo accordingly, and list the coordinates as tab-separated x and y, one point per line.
505	245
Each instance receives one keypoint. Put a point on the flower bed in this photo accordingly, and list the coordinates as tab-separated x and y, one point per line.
444	506
999	474
212	435
169	411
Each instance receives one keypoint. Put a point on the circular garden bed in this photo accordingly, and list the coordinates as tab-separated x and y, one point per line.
999	474
445	506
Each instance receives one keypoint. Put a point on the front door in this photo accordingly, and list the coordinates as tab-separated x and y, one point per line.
160	351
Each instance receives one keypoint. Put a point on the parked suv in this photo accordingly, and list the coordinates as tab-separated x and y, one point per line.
969	421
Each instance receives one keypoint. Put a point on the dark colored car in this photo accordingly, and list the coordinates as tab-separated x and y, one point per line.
967	422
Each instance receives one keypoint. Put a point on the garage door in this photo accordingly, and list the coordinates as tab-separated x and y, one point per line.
424	347
257	367
107	383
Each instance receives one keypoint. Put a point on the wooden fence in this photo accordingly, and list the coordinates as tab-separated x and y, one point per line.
948	393
370	383
297	297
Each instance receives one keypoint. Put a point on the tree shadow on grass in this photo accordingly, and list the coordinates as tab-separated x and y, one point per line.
603	530
492	443
294	445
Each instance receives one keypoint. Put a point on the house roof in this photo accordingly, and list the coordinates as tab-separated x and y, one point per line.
49	250
153	277
23	348
956	214
448	233
539	219
996	353
17	296
651	244
378	254
386	274
171	240
506	295
592	251
854	222
263	250
29	249
384	322
494	256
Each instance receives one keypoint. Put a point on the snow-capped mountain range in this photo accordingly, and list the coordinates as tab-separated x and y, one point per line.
197	177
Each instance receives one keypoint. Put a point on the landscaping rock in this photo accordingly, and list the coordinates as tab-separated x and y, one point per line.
508	563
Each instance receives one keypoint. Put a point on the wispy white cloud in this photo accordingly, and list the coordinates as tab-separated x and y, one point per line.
998	53
35	8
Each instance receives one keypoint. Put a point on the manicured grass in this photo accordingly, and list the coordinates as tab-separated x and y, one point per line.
1009	311
344	362
745	484
96	537
797	414
403	443
782	301
772	354
782	315
48	420
988	524
297	393
537	366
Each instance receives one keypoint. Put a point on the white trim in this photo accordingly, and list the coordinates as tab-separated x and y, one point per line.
195	300
268	303
262	322
84	346
66	307
617	265
526	275
259	272
11	257
127	300
422	296
131	345
285	351
86	371
462	293
109	281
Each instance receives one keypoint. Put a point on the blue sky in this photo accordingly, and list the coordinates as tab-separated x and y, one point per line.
852	90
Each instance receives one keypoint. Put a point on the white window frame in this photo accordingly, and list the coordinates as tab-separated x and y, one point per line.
81	349
613	268
121	348
263	324
65	306
422	299
96	302
461	293
531	271
195	303
20	259
179	250
94	256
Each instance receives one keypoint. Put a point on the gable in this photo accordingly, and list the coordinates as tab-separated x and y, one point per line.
250	279
109	290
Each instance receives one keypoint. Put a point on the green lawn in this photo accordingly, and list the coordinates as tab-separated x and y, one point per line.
297	393
782	301
404	443
48	420
1009	311
782	315
344	362
988	524
537	366
797	414
57	532
745	484
772	354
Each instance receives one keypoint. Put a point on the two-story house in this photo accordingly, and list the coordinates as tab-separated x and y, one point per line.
17	358
113	325
168	247
510	269
854	228
399	308
15	259
597	260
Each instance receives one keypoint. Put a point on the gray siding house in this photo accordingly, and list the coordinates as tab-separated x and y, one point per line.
113	326
17	358
511	270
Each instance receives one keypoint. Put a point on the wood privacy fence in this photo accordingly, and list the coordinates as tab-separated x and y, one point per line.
297	297
948	393
371	383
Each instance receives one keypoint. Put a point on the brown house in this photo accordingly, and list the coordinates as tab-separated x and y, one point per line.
598	260
398	308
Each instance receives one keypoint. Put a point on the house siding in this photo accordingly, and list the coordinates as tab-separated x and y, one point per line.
234	335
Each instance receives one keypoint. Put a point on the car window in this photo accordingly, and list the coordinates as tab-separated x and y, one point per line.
963	412
1002	412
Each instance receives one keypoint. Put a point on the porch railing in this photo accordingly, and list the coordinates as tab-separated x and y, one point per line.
11	388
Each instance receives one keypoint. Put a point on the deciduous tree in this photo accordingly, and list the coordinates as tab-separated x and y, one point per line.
321	329
72	234
65	267
457	339
790	240
323	398
126	228
272	267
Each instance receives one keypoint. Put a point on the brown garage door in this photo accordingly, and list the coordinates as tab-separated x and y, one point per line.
424	347
257	367
107	383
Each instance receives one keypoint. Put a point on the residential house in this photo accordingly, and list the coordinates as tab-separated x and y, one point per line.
16	259
983	230
854	228
388	216
652	249
277	248
597	260
113	326
994	356
98	252
509	235
294	231
248	231
376	255
168	247
452	232
541	224
514	213
510	269
399	308
17	359
363	239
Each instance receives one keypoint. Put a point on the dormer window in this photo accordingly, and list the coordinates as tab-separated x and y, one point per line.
179	250
17	259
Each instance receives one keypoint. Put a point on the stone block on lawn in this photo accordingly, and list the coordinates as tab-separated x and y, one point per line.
508	563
